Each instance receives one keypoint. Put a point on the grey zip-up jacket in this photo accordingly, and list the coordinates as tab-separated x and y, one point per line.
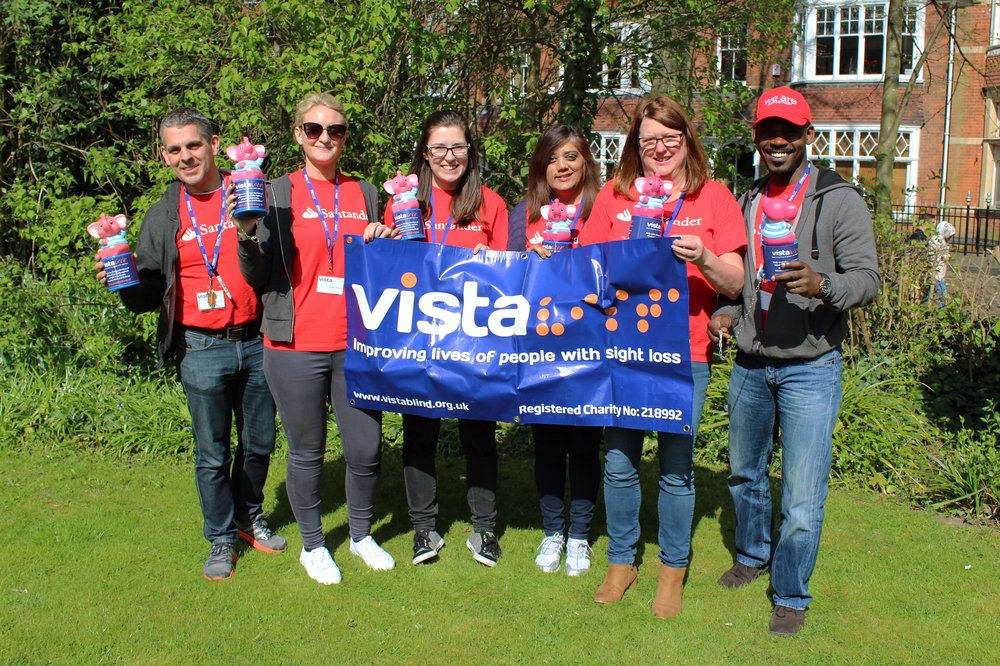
835	237
156	261
267	264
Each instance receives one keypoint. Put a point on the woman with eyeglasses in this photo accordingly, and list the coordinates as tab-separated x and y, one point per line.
458	210
296	257
562	169
707	225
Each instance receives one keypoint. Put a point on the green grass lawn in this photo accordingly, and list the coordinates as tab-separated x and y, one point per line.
100	562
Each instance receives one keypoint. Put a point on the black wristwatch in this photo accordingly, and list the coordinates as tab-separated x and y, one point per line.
825	290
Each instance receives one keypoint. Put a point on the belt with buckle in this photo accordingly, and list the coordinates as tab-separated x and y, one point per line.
241	332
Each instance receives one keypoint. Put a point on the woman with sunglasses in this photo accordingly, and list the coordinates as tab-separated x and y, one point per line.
561	169
296	256
707	225
458	210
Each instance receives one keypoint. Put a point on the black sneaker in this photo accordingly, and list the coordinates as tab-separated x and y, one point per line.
485	548
426	545
221	559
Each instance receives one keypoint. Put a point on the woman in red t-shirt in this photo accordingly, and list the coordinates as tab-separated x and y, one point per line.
710	237
458	210
561	169
296	257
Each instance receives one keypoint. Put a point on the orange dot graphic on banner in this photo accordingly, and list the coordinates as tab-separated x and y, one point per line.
611	312
542	329
543	315
655	310
558	329
621	295
611	325
654	294
408	280
576	312
590	298
643	325
673	295
641	309
545	301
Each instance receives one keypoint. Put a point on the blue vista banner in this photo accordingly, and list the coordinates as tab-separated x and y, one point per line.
597	335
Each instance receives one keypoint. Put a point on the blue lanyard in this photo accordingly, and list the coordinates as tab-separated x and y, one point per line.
798	185
576	218
209	265
447	226
330	242
673	216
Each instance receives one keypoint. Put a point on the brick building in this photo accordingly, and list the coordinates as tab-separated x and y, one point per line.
946	152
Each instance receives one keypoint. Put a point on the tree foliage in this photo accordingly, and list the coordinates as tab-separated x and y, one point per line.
84	85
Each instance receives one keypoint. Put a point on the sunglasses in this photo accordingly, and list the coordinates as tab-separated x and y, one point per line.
314	131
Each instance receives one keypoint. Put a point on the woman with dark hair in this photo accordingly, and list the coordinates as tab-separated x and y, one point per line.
458	210
562	169
296	257
707	225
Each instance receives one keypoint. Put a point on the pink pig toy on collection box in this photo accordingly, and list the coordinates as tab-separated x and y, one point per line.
115	253
251	196
647	213
406	214
558	234
776	234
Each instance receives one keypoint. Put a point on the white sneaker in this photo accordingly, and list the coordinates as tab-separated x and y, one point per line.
374	556
320	566
550	553
578	553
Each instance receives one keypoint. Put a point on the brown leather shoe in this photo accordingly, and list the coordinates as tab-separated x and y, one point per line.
667	602
620	577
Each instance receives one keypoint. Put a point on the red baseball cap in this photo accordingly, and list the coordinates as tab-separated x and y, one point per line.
785	103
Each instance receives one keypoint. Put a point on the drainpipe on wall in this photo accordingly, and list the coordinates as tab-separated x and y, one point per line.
947	107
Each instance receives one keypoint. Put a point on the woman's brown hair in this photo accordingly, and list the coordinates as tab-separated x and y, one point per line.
469	198
539	193
669	113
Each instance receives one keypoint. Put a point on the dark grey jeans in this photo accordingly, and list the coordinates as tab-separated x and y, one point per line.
302	383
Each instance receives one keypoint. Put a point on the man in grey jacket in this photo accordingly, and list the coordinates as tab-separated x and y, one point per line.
786	380
209	319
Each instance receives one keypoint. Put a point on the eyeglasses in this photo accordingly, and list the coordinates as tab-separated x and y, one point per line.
671	140
314	131
440	152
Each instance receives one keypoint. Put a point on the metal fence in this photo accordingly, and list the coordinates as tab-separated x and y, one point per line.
977	230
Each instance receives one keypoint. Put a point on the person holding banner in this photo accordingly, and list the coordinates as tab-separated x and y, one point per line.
562	169
296	257
708	227
458	210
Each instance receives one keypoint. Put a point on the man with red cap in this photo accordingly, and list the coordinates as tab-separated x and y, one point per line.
789	325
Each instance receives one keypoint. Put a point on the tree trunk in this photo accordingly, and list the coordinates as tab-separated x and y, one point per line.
889	127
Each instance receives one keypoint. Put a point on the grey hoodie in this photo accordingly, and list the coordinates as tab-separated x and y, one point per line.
835	237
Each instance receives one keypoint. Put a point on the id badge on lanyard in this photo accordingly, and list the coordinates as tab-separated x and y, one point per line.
328	284
211	298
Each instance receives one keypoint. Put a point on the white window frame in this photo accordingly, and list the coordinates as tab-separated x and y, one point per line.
635	64
719	51
605	158
858	156
804	51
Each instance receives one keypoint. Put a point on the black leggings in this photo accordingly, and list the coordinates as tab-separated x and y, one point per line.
420	439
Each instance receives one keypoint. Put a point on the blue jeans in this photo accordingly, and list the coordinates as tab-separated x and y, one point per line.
676	497
222	379
802	399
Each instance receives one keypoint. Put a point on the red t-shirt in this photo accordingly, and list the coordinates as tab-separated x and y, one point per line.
192	274
491	231
320	322
712	214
